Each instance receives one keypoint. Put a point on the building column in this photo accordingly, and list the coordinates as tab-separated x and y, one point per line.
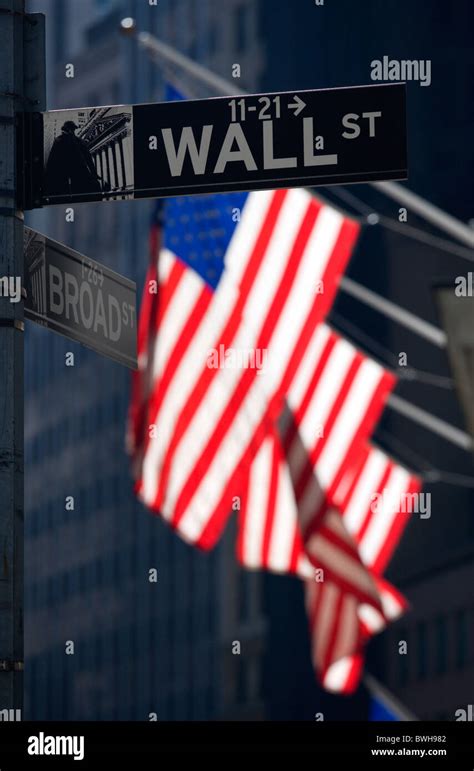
98	164
106	152
114	159
122	163
120	169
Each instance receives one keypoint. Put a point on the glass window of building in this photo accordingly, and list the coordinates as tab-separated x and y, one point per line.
116	490
99	417
82	578
99	492
103	5
462	642
241	27
100	572
441	645
192	30
74	581
117	406
421	650
244	596
34	595
403	669
212	38
66	585
241	684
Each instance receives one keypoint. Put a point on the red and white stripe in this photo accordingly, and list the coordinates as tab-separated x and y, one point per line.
268	534
333	404
337	646
209	422
376	529
375	499
287	522
142	378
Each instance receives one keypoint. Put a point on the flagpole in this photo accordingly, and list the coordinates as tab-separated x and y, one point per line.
422	328
377	690
428	211
431	422
171	55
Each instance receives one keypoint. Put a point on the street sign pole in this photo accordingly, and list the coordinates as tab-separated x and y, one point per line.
11	363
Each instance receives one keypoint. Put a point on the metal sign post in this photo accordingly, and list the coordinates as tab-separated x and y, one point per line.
12	97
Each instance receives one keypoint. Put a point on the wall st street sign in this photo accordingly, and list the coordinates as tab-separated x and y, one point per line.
80	298
292	139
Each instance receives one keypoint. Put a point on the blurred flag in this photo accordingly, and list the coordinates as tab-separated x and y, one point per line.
377	498
207	409
375	501
332	405
318	497
243	392
141	378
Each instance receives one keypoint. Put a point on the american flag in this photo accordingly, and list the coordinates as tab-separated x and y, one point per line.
308	504
351	541
331	408
196	426
245	274
375	501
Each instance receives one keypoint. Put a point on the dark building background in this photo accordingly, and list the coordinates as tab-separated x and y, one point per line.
139	647
334	45
165	647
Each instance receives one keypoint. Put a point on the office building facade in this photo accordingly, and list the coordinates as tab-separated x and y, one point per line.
123	620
